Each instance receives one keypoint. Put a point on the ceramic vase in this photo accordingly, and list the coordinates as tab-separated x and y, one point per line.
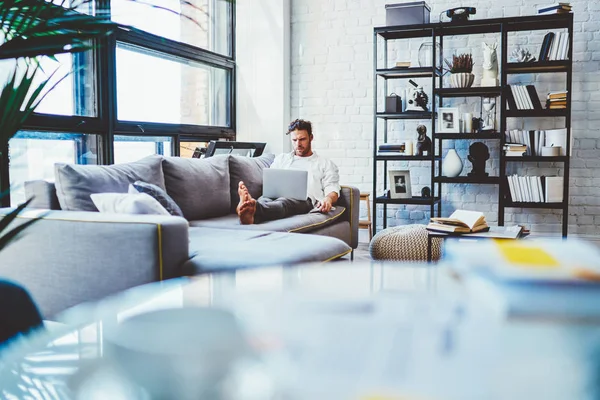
462	79
452	165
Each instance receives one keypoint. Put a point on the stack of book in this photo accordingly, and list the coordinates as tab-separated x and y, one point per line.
514	149
556	8
391	149
461	221
555	46
556	100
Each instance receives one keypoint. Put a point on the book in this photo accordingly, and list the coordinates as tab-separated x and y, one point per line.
461	221
402	64
553	192
535	99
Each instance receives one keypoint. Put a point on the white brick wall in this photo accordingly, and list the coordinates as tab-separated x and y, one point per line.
332	85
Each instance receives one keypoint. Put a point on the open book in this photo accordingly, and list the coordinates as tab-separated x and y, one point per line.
461	221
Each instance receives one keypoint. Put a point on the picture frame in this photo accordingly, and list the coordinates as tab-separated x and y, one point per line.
400	187
448	120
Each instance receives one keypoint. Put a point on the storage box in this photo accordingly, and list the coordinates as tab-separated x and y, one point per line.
414	13
393	104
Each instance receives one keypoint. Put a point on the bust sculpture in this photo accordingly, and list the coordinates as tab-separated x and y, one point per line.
478	155
423	141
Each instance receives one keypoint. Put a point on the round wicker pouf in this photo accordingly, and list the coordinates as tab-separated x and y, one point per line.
404	243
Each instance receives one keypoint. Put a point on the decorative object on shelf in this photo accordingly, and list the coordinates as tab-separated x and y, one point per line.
521	55
488	105
468	120
490	65
459	14
551	151
409	147
452	165
426	55
478	155
423	141
402	64
477	125
448	120
426	192
417	98
392	148
461	71
412	13
400	184
393	103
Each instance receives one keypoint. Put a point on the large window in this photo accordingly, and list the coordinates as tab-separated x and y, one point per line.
142	91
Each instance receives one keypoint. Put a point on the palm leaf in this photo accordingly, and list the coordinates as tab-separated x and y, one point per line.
14	233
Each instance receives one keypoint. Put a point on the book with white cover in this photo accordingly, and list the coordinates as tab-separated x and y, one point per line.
554	189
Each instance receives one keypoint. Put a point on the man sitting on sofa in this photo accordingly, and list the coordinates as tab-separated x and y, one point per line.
323	181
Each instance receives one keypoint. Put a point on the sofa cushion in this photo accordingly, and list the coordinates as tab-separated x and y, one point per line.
75	183
213	249
199	186
298	223
127	203
249	170
159	195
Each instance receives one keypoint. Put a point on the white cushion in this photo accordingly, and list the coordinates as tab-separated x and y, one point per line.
127	203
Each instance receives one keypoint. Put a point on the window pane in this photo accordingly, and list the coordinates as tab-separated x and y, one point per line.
154	87
76	93
192	149
133	148
33	155
206	24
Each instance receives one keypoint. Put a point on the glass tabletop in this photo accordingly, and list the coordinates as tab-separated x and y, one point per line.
336	331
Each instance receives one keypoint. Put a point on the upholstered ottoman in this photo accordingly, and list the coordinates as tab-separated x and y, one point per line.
404	243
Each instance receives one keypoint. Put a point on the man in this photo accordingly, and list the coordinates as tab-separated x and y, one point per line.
323	181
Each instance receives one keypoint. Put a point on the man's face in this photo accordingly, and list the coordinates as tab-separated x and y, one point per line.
301	142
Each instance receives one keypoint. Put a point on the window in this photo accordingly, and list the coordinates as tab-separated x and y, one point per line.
187	92
33	155
132	148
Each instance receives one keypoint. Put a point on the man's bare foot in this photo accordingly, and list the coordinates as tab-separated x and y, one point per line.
246	208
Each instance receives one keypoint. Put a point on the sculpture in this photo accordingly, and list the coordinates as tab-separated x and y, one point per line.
423	141
490	65
520	55
426	192
478	155
489	120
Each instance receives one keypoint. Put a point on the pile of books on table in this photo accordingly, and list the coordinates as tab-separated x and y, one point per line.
556	100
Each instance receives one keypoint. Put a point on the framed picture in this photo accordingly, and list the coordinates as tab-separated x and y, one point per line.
448	120
400	184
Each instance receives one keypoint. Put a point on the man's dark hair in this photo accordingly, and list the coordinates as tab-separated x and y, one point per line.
300	125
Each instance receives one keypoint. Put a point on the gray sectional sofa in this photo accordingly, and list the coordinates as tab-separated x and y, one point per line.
76	254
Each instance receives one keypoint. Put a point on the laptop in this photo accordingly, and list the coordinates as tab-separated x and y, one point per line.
288	183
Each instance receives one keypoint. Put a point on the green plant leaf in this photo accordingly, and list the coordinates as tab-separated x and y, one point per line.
7	237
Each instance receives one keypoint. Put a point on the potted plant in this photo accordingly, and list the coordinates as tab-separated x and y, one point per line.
461	75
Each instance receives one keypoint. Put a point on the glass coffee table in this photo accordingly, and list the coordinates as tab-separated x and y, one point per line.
333	331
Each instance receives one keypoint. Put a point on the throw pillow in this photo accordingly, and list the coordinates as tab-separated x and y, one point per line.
75	183
249	170
127	203
200	186
159	195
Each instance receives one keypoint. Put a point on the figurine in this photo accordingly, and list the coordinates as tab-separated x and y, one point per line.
489	122
423	141
490	65
478	155
520	55
477	125
426	192
417	98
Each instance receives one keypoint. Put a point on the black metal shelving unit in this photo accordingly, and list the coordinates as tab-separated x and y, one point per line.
436	33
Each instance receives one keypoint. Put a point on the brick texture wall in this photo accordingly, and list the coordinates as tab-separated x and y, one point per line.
332	85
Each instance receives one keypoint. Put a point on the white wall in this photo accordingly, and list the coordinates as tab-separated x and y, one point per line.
263	72
332	85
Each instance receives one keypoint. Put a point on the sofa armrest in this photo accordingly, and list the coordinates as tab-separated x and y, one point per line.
69	257
350	198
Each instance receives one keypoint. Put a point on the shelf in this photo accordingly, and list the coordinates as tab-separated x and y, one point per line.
406	115
473	136
537	67
536	113
537	159
491	91
399	157
554	206
425	201
486	180
404	73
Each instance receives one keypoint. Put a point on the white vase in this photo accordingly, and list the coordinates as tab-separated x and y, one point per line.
462	79
452	165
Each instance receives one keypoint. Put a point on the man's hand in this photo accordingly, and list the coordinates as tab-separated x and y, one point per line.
325	205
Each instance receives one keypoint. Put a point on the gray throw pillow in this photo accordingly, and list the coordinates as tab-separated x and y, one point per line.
75	183
249	170
160	195
200	186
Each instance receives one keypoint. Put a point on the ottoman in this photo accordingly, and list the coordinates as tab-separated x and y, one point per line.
404	243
